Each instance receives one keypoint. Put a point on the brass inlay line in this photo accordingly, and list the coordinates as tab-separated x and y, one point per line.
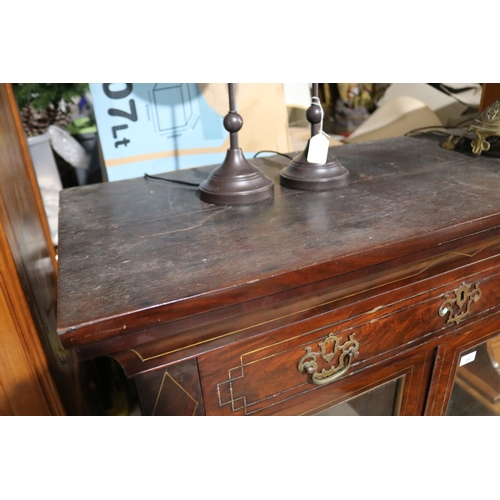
232	400
243	365
242	375
166	374
218	392
401	374
248	363
288	339
201	342
159	392
408	372
229	383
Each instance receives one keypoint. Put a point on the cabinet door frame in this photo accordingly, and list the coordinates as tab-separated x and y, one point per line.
448	357
414	368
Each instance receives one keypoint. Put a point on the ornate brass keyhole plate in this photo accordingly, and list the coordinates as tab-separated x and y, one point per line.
458	302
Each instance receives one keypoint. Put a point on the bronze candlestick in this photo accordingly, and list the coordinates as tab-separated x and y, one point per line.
235	181
300	174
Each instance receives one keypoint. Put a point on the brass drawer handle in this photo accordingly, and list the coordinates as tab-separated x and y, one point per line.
458	302
330	348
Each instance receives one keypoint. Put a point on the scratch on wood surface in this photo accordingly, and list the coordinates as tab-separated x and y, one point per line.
365	177
350	313
194	226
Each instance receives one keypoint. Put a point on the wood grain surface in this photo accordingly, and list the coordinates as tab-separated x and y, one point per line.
211	307
137	252
34	366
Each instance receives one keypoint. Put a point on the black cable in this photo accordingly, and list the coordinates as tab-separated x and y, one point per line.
451	93
147	176
468	120
274	152
429	128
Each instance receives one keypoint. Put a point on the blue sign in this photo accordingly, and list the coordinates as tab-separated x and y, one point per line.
156	127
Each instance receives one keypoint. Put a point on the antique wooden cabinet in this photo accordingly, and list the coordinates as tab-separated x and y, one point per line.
363	300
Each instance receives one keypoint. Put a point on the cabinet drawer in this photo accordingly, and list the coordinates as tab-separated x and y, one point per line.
253	375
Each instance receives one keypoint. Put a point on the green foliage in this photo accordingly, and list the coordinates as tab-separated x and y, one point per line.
44	95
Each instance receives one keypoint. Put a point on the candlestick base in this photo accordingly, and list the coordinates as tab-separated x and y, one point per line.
300	174
236	182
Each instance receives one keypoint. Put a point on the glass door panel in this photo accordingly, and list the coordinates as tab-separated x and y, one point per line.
384	400
476	389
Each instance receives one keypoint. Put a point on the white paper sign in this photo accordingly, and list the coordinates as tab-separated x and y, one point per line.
318	149
468	358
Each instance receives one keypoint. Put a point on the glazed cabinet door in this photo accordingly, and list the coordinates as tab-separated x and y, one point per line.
469	381
393	388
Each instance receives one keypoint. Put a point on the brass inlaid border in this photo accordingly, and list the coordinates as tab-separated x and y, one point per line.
243	398
433	263
242	365
404	374
180	387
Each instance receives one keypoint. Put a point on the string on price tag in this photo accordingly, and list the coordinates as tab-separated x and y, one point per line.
319	143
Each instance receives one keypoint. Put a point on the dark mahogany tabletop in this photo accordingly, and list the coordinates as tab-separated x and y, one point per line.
131	248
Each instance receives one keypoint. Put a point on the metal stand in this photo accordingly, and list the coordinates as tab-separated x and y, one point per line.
300	174
235	181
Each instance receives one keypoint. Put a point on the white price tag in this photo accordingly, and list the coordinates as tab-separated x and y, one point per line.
318	149
468	358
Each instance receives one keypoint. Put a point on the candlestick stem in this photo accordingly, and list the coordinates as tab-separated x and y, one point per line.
300	173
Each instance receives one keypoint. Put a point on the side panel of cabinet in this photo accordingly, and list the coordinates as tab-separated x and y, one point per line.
23	370
173	391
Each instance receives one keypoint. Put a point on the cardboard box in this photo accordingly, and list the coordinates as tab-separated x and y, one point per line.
449	108
159	127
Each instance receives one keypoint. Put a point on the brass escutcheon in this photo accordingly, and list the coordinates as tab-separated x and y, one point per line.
458	302
330	347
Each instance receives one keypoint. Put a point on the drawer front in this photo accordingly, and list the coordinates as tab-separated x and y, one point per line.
251	376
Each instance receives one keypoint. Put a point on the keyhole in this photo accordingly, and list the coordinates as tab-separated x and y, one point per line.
462	296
